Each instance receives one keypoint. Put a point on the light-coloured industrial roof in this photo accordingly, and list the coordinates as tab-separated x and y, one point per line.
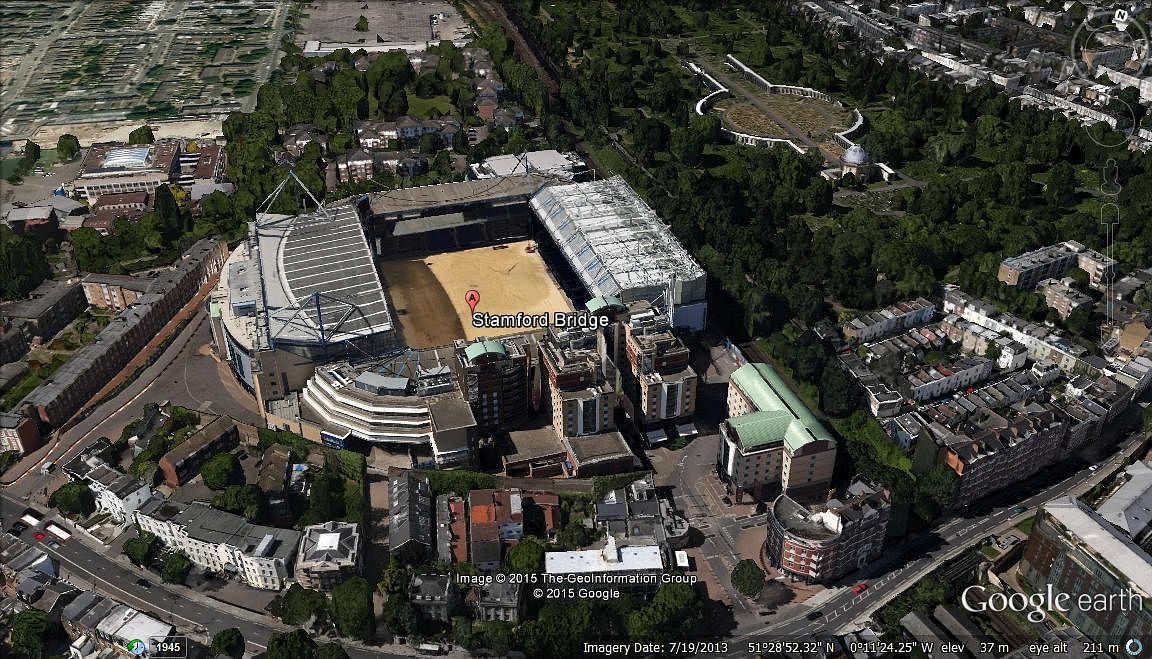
613	240
1130	507
1111	547
611	558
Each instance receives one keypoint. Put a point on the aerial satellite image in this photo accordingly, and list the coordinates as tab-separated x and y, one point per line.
558	329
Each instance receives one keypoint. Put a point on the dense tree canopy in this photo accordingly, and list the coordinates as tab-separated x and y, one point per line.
141	135
748	577
221	471
73	498
352	608
23	265
228	642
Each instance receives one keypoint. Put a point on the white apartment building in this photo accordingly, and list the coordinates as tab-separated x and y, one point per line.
117	494
260	556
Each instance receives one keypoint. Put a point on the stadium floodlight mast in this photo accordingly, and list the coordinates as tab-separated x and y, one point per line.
266	205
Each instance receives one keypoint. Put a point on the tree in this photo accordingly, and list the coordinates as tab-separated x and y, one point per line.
29	633
748	577
674	608
361	24
22	264
352	608
176	568
299	604
228	642
222	470
838	393
1078	321
67	146
526	557
399	616
74	498
1061	186
31	155
574	536
330	651
246	500
396	576
141	549
296	644
498	635
142	135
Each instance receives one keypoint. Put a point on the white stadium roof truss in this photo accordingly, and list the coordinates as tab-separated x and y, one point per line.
614	240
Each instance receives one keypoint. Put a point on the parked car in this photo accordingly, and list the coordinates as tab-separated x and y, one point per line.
143	583
726	500
53	544
20	527
39	535
767	612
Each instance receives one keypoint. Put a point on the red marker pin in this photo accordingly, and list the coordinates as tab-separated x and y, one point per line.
472	297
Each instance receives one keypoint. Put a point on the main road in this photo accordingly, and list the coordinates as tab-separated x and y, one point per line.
844	610
180	607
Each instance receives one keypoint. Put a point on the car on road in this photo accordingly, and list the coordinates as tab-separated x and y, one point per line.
143	583
48	468
53	544
1019	509
1093	467
860	587
815	615
39	535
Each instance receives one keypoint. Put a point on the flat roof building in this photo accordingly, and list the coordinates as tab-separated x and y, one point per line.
822	543
1075	550
113	168
260	556
329	553
549	162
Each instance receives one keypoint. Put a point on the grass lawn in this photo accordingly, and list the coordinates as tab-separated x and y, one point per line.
29	382
429	108
1026	525
8	167
989	551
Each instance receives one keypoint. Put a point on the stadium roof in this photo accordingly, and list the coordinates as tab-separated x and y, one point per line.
613	240
319	278
780	415
414	201
484	347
